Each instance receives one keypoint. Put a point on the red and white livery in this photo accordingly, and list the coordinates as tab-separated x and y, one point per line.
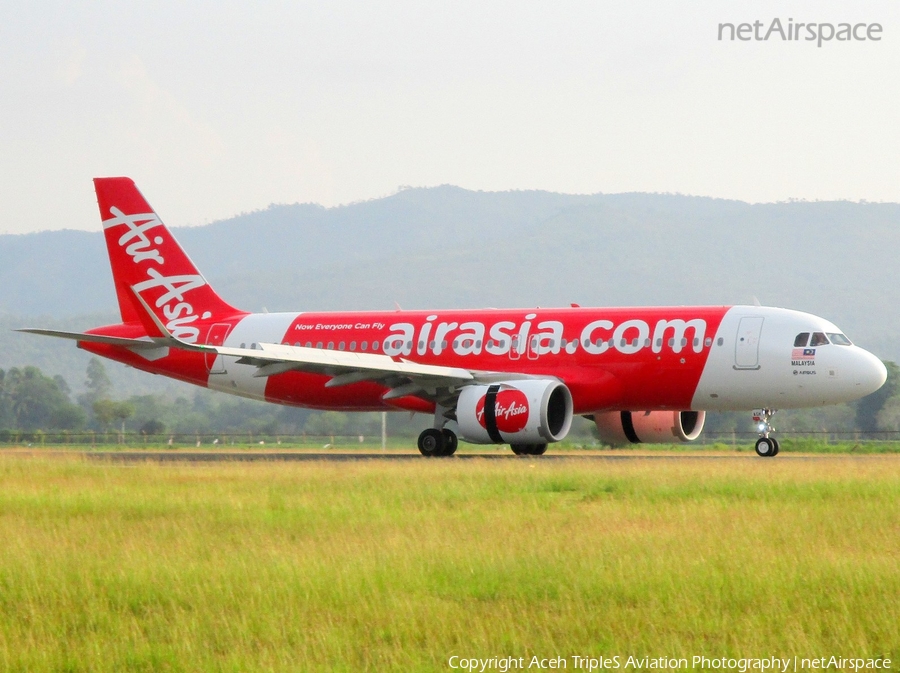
516	376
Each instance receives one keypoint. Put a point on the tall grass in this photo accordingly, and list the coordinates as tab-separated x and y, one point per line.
398	566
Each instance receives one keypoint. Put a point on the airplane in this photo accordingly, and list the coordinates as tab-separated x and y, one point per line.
489	376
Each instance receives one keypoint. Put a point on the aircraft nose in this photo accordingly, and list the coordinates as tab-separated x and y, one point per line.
870	373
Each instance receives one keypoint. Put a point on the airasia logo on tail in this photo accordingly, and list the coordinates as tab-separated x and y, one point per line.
141	248
510	411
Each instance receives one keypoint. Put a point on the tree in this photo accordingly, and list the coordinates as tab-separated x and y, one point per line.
5	409
326	423
889	415
107	411
153	427
37	402
97	384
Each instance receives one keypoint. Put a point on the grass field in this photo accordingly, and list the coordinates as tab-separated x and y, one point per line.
399	566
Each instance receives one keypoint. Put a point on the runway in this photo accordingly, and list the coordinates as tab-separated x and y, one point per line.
285	456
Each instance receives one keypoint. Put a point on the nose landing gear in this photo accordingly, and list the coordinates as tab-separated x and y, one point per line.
766	447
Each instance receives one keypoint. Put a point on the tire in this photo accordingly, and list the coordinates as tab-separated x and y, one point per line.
431	443
451	441
765	447
538	449
519	449
777	447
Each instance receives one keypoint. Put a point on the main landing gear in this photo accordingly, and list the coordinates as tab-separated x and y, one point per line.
434	442
766	447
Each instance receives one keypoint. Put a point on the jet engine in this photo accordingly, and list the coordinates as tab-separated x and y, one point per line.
650	427
531	411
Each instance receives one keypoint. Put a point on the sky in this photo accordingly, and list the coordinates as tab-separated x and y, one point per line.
218	108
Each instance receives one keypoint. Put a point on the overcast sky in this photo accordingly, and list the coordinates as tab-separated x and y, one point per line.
216	108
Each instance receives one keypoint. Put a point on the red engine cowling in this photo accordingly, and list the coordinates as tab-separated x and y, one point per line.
649	427
531	411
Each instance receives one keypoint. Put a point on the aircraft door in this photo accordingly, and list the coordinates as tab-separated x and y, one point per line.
215	364
514	349
746	345
533	348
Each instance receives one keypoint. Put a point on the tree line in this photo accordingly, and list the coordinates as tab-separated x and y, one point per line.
33	401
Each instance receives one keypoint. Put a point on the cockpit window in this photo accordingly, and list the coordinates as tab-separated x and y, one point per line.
818	339
839	339
801	340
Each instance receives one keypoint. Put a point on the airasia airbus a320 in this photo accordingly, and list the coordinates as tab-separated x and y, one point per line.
516	377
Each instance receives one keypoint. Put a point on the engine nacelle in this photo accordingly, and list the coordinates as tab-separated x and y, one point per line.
531	411
649	427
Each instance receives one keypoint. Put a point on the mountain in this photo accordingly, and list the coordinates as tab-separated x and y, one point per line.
449	247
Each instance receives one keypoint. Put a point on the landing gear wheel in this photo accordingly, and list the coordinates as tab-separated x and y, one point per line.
431	443
519	449
766	447
776	449
451	441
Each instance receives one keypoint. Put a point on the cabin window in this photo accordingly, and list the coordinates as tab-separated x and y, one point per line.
341	346
431	344
364	346
672	342
818	339
708	342
421	345
331	345
374	345
444	344
352	345
839	339
720	341
478	344
319	345
244	345
801	340
309	344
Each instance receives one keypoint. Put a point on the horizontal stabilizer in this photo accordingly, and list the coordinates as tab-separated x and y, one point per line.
95	338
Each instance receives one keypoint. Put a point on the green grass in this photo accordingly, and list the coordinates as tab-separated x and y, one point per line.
387	566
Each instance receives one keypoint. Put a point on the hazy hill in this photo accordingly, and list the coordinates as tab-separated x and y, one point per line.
448	247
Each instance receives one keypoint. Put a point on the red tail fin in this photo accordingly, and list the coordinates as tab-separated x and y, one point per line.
145	256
